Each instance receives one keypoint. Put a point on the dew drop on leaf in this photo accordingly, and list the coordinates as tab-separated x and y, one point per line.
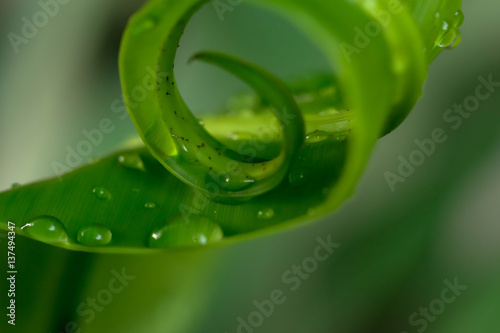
457	41
340	137
229	182
265	214
101	193
458	19
132	161
316	136
94	236
200	239
150	205
448	35
46	229
198	231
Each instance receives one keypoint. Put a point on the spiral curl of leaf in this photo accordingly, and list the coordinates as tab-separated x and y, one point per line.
381	77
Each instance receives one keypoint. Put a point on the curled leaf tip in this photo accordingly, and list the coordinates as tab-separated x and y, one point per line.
293	153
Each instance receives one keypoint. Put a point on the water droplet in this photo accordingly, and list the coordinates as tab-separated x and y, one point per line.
150	205
437	19
101	193
144	26
94	236
340	137
181	232
235	182
132	161
265	214
200	239
458	19
15	185
46	229
317	136
297	176
448	35
182	143
457	41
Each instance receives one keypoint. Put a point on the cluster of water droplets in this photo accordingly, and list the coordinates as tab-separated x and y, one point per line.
51	230
150	205
265	214
450	34
320	136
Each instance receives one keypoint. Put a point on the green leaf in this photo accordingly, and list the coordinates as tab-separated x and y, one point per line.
134	201
194	195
